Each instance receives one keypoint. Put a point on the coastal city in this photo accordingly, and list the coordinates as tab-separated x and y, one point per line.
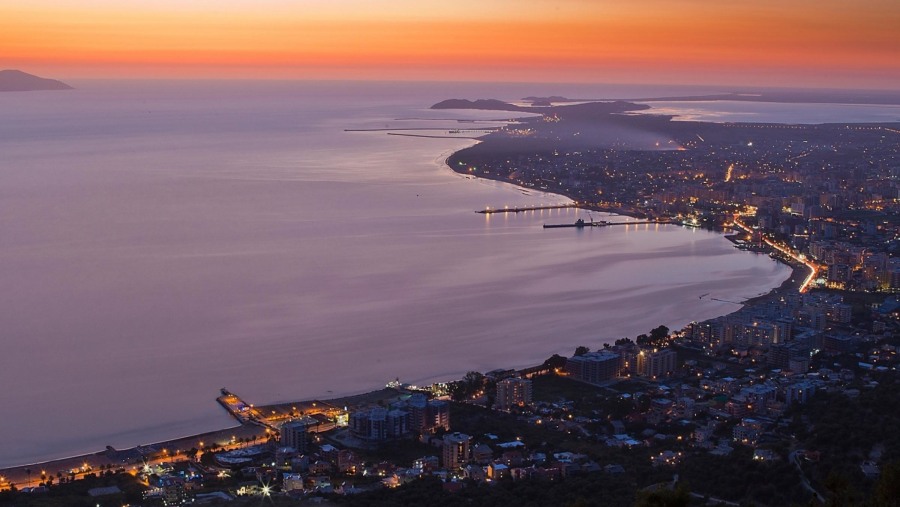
477	253
791	399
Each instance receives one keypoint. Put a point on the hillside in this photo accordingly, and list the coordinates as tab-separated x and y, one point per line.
18	81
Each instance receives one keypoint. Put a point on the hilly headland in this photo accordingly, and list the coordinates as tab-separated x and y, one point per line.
18	81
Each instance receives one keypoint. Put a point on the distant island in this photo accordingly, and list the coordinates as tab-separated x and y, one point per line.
18	81
484	104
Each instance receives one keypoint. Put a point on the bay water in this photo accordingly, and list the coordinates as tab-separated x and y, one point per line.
160	240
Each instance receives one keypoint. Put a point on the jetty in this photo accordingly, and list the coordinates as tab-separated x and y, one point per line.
474	130
580	223
522	209
245	413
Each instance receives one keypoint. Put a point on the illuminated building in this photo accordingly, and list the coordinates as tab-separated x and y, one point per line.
426	416
594	367
748	431
513	392
295	434
455	450
370	425
656	363
799	393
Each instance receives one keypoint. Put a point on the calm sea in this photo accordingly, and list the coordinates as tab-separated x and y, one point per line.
161	240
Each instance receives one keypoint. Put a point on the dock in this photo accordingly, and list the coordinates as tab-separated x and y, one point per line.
476	130
522	209
580	224
245	413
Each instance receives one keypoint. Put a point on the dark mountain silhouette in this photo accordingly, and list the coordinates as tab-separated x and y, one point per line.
18	81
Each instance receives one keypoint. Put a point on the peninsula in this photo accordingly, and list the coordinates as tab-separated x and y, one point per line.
18	81
617	156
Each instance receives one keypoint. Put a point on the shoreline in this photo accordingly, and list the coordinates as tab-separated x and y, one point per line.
790	284
114	457
491	177
132	457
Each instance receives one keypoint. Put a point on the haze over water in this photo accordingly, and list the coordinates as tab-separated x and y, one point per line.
159	241
774	112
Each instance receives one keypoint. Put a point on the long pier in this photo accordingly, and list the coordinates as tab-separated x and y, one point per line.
475	130
581	224
521	209
242	411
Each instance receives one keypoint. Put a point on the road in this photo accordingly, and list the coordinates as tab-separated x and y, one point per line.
814	269
794	457
227	439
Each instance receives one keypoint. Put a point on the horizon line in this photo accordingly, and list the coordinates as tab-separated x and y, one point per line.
730	87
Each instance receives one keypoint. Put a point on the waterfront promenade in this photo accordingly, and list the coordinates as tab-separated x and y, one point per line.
76	467
250	430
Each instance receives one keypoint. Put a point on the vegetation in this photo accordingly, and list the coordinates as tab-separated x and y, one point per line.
473	384
554	362
679	497
75	494
738	477
846	432
588	490
658	337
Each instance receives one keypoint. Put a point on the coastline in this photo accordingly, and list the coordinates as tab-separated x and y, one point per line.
125	458
790	284
133	457
491	177
107	457
171	450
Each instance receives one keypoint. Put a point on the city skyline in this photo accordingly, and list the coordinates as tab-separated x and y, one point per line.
806	44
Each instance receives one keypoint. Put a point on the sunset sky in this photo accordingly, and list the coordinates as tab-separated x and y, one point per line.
822	43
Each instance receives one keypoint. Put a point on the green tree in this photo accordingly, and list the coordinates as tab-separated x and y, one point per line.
839	493
555	361
659	334
581	350
467	386
679	497
657	338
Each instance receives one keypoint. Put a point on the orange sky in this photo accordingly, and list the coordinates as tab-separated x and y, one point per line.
786	42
